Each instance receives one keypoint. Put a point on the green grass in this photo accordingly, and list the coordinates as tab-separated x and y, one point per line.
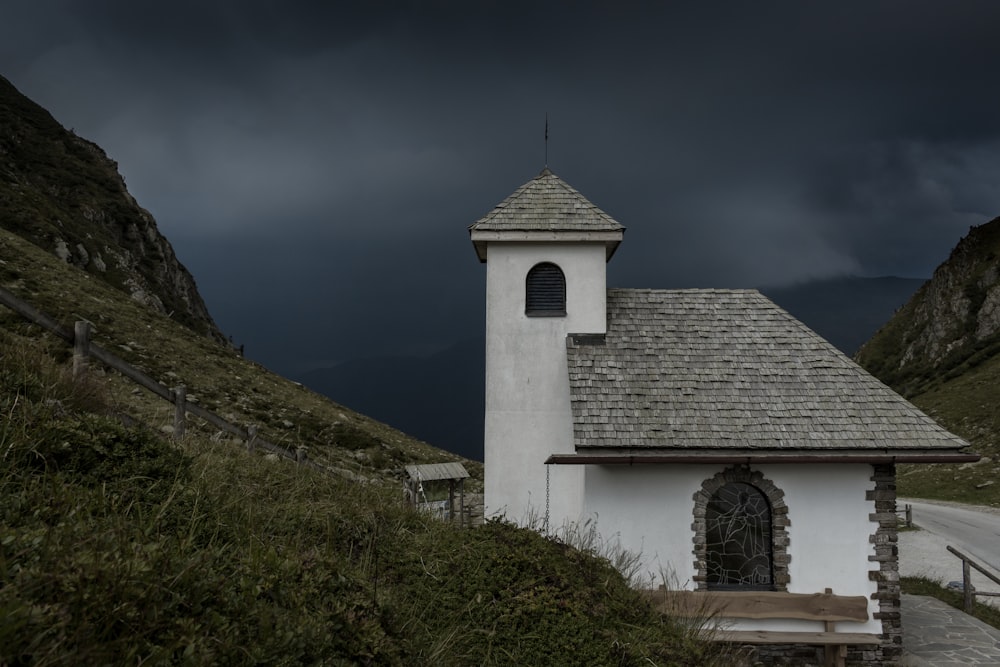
235	388
120	547
925	586
966	405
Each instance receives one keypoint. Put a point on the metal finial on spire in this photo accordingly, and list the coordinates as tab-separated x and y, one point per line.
546	138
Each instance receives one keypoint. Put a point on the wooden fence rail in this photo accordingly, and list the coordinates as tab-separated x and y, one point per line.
907	513
967	587
83	348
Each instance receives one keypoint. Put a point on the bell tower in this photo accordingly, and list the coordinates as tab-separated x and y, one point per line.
546	250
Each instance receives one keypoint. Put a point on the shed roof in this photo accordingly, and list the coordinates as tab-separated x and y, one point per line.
545	208
430	472
708	370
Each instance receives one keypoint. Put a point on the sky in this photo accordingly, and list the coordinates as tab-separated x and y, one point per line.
316	165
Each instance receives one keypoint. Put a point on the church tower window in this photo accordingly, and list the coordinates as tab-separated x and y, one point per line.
545	291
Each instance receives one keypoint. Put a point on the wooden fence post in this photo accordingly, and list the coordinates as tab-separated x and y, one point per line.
461	503
967	585
251	438
81	347
180	408
909	515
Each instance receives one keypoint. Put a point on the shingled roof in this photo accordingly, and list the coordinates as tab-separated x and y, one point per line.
710	370
545	208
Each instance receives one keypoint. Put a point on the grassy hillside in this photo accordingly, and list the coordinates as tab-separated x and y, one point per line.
967	405
119	546
942	352
962	394
237	389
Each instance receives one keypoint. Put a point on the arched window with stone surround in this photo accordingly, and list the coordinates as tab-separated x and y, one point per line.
545	291
741	538
738	548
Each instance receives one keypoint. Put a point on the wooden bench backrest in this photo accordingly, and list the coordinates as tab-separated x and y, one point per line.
760	604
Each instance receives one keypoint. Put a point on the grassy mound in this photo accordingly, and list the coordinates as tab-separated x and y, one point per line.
120	547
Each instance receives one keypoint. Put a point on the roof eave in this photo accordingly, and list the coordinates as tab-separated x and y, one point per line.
430	472
730	457
482	238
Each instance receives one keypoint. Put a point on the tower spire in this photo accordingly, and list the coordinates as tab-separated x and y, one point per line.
546	138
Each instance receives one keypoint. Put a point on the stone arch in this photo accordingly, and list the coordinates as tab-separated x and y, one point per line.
741	474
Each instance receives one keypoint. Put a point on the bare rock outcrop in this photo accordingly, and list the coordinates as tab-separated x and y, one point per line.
952	321
64	194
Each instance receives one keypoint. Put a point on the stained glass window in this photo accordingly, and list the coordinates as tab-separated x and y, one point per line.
738	551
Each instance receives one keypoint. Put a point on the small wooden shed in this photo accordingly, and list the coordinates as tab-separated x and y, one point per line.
452	473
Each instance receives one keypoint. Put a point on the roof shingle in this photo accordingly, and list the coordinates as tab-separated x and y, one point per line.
728	369
546	203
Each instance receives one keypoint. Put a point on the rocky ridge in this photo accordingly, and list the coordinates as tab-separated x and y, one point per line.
951	324
64	194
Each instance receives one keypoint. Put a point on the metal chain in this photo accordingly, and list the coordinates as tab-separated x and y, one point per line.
547	468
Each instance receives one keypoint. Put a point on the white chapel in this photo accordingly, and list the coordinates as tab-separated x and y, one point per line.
707	430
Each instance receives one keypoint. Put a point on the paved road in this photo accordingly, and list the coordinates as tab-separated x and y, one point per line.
975	531
972	530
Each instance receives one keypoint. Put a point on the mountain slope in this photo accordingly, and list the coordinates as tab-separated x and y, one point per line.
65	195
942	351
951	323
121	546
220	380
60	192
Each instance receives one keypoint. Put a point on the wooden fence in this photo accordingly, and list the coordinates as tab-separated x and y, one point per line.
907	513
84	349
968	589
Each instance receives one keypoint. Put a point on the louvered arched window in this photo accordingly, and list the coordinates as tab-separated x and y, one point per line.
545	291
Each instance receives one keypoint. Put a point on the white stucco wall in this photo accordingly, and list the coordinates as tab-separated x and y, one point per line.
650	508
528	413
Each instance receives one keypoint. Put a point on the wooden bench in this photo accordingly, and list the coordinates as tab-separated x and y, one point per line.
712	606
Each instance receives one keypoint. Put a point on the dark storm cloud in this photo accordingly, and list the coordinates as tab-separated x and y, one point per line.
323	160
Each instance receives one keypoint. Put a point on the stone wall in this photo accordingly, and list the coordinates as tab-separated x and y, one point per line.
885	569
